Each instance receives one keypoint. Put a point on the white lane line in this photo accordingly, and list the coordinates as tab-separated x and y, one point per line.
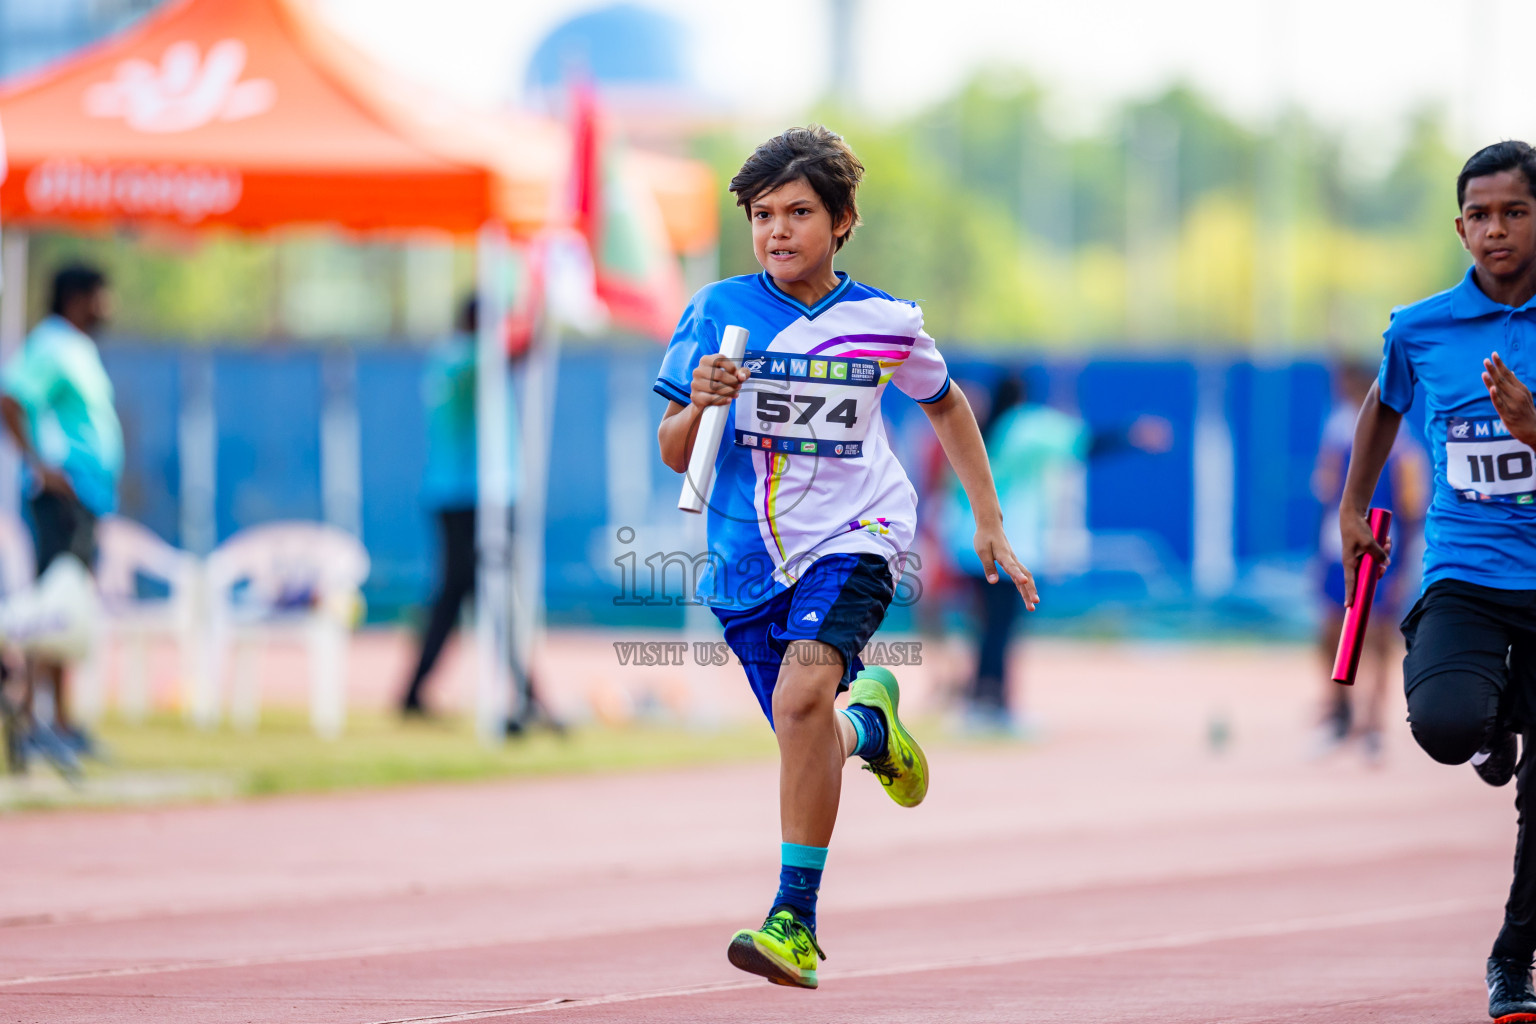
276	959
1176	940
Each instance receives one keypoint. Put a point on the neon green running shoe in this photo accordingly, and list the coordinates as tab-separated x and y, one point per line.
902	769
783	950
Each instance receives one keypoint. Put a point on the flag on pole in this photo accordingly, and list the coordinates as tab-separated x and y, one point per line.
2	182
635	274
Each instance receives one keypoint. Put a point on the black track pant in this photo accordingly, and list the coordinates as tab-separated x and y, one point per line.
456	585
1471	673
999	605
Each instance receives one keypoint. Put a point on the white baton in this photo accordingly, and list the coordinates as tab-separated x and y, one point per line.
706	444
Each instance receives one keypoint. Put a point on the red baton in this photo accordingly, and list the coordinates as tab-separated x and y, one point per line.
1358	615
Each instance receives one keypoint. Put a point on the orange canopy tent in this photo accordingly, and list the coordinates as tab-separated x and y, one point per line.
253	114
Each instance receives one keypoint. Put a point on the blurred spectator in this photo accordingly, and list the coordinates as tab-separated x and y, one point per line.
1355	712
57	403
449	489
1038	455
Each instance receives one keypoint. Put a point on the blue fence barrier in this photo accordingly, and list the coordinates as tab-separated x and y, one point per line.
268	408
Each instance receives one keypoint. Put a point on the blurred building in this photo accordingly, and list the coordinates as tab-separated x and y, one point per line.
33	32
639	61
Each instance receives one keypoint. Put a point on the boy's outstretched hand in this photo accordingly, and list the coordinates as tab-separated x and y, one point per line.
716	381
996	553
1511	398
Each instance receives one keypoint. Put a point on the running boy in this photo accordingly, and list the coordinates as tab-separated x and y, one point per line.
1470	672
811	514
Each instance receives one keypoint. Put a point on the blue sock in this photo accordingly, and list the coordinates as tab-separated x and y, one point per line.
799	879
869	725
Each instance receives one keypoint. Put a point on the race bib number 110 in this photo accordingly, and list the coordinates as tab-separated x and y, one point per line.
1483	463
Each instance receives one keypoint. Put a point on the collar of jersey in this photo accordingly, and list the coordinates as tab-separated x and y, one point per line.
844	282
1468	300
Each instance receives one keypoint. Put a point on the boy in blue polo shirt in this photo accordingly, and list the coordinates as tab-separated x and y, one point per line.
811	515
1470	671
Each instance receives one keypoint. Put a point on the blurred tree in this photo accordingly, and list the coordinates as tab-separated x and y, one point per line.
229	287
1172	225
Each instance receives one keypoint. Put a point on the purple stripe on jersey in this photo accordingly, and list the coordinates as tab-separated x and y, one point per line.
863	339
886	353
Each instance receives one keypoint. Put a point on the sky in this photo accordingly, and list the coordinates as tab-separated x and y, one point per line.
1359	65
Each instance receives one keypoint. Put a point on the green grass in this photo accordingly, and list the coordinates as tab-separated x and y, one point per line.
283	756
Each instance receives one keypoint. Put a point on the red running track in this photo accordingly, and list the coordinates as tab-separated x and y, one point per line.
1118	869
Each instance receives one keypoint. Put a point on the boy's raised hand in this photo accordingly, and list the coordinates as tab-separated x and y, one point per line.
716	381
996	553
1511	398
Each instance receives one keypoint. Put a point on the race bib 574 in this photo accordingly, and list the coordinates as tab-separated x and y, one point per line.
802	405
1483	463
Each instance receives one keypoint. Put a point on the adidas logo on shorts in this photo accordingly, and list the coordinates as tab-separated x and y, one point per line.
810	617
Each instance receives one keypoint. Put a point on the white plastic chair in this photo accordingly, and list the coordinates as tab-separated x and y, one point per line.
19	595
128	552
296	579
18	556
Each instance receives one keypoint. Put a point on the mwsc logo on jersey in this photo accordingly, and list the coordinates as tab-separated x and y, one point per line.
186	91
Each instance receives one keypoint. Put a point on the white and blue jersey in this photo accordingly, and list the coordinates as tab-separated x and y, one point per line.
1481	526
805	468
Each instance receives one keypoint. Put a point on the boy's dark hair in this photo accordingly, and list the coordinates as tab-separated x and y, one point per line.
73	281
1509	155
817	154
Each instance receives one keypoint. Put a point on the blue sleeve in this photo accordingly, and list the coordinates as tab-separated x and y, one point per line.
1396	379
696	336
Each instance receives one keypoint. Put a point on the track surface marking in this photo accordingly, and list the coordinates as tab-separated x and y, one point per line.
1118	869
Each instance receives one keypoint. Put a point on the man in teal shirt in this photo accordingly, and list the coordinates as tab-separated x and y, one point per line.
450	488
1035	452
56	400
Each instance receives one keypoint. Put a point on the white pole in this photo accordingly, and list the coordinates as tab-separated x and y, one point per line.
341	473
13	331
197	441
197	433
492	589
629	444
1215	563
542	368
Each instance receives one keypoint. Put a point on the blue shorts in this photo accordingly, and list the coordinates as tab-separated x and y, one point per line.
839	601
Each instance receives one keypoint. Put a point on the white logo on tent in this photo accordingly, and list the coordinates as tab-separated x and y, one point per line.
185	92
